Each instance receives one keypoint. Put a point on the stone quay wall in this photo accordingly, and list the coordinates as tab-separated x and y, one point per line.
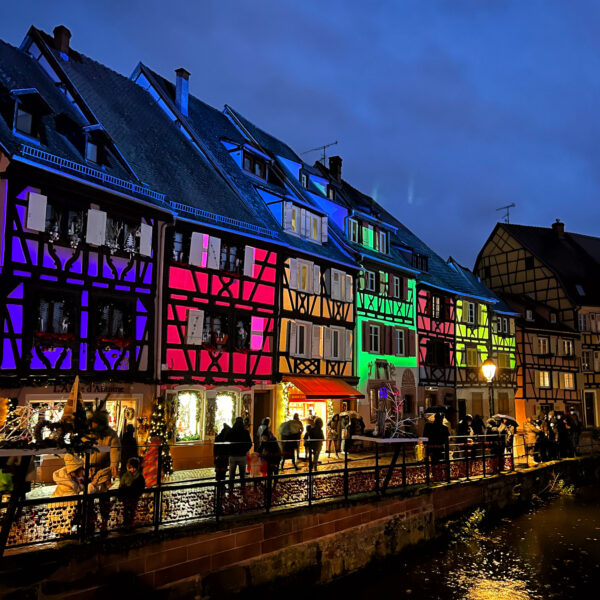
264	552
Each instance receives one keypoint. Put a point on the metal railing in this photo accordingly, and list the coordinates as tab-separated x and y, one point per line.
71	165
204	499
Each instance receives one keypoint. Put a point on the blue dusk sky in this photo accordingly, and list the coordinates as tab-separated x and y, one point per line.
444	110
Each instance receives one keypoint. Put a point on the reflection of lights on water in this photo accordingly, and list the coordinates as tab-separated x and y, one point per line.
495	589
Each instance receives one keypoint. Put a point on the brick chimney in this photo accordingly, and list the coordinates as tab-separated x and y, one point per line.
335	167
559	228
182	83
62	37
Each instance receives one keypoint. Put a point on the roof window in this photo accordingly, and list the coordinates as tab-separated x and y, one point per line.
580	289
255	165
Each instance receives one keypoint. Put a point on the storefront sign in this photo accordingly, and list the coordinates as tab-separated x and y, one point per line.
91	388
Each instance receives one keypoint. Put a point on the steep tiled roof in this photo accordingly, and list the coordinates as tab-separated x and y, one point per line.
574	258
519	304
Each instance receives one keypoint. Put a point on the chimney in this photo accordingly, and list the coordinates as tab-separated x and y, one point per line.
558	228
61	39
182	84
335	167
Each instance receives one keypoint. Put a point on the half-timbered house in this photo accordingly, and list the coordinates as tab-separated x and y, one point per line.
78	246
558	269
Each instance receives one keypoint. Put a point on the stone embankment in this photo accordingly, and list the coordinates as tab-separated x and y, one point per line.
314	544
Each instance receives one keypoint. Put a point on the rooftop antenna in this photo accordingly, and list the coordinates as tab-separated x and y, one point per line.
507	213
320	149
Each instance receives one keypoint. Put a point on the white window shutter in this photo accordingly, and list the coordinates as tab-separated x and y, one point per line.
315	347
214	253
287	216
96	227
146	239
341	344
195	326
495	321
36	211
512	326
316	288
292	335
293	273
302	228
326	342
324	233
348	345
249	261
197	249
336	284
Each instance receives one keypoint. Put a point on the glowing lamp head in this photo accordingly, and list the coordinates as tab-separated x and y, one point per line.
489	369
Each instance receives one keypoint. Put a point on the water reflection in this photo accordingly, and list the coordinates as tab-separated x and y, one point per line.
549	553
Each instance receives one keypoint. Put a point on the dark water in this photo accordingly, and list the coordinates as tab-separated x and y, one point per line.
551	552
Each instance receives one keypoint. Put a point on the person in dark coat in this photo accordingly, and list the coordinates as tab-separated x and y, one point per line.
437	435
221	453
478	425
315	441
270	453
132	485
264	426
240	444
129	447
575	431
465	433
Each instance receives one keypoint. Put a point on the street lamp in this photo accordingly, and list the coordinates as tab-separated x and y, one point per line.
488	369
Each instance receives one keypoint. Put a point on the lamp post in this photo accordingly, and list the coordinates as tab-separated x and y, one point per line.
488	369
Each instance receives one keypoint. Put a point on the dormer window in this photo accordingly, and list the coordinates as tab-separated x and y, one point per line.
421	262
304	180
255	165
553	318
330	192
91	152
24	121
353	230
305	223
382	242
529	315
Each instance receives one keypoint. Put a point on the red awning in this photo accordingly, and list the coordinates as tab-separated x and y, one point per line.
322	388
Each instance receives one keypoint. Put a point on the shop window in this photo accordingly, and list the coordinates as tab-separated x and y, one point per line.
188	425
225	409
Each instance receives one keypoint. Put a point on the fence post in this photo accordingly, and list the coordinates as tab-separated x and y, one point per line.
466	448
346	482
157	491
85	505
403	465
269	488
310	478
447	447
376	467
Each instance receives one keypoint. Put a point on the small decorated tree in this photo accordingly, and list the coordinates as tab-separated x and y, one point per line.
159	429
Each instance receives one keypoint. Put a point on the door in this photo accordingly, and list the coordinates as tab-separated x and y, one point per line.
262	409
588	400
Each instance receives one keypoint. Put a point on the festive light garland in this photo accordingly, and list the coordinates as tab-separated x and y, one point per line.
285	395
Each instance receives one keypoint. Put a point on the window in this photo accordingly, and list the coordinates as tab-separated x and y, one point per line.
487	272
304	180
304	276
353	230
505	327
368	232
382	242
421	262
374	338
91	152
55	316
295	219
225	409
580	289
331	193
586	360
302	340
437	353
370	281
567	347
529	262
529	315
115	319
215	332
189	417
397	287
544	379
180	247
503	360
255	165
543	345
471	312
436	310
568	381
337	343
383	283
24	121
231	259
472	357
582	322
315	230
553	318
399	342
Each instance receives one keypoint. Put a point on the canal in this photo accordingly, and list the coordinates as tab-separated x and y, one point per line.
550	552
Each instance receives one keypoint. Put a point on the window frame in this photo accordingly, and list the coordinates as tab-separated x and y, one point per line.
547	377
469	350
354	231
19	110
543	341
254	161
370	276
471	307
399	342
374	332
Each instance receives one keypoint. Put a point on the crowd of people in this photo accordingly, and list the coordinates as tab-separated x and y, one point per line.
552	435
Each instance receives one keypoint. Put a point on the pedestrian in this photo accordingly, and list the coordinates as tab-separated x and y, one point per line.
437	435
465	432
346	429
306	438
333	435
478	425
264	426
298	429
132	484
552	435
563	437
270	453
575	429
316	438
221	453
129	447
240	444
289	433
531	431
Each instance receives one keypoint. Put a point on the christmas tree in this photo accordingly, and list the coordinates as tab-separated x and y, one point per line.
158	429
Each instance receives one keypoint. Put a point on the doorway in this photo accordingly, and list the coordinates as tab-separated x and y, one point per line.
588	401
261	409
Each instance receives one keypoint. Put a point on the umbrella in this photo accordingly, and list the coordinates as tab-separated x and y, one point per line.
350	413
435	409
510	419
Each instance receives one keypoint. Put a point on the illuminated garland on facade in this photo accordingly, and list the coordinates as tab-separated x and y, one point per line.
285	394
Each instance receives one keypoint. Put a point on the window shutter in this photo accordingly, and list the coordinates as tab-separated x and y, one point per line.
315	346
410	341
404	288
326	342
512	326
302	229
293	273
365	337
146	239
348	288
36	212
495	324
386	342
553	345
336	284
96	227
195	326
316	288
328	282
324	232
214	253
287	216
348	344
555	380
537	379
535	345
197	249
292	334
249	261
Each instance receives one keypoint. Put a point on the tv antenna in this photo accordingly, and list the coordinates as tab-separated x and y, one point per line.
320	149
507	213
